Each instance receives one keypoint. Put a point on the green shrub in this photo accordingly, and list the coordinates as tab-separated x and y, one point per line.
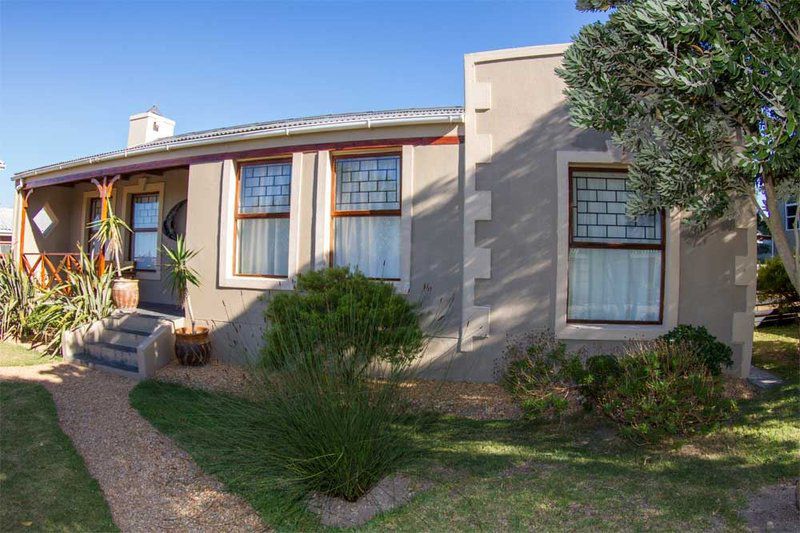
713	353
662	389
18	297
773	281
331	427
594	379
344	313
539	372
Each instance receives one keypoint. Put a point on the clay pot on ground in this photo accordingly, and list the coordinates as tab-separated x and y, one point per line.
193	348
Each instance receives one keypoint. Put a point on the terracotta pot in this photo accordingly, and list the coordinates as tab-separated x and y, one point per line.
192	348
125	293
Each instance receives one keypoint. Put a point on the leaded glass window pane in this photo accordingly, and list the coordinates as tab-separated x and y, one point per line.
145	211
599	211
265	188
368	183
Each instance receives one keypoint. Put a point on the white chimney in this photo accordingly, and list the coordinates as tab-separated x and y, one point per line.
149	126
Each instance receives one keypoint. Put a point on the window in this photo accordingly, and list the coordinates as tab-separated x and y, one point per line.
616	262
262	219
144	224
93	214
366	215
790	215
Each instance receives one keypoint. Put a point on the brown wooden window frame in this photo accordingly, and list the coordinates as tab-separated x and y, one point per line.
335	158
134	230
237	216
661	247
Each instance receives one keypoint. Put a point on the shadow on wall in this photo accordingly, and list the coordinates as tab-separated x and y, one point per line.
522	237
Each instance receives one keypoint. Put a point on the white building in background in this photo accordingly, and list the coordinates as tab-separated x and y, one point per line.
6	227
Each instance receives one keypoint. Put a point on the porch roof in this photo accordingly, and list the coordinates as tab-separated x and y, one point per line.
294	126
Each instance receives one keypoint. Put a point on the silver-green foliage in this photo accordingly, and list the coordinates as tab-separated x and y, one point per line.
703	94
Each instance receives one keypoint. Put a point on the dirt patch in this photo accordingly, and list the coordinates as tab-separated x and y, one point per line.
213	377
390	493
774	508
479	401
737	389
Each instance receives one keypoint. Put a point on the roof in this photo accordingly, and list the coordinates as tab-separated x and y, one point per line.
368	119
6	219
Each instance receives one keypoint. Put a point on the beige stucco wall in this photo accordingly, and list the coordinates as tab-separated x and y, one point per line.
236	314
517	123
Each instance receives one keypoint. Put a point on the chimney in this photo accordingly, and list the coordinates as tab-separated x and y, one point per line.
149	126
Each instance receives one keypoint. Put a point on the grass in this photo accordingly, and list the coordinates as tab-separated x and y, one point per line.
513	475
44	484
18	355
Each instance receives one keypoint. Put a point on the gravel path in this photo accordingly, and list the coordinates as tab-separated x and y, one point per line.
149	482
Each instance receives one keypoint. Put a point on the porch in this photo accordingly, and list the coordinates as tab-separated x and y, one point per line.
55	228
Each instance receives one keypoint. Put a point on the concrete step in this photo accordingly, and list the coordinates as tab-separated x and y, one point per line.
134	322
122	336
112	354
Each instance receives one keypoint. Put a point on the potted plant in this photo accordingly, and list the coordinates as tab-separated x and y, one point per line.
108	234
192	344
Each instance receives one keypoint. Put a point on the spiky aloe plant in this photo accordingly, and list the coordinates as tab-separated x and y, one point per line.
108	234
180	274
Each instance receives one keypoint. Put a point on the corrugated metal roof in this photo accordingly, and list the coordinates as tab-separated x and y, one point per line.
6	219
453	113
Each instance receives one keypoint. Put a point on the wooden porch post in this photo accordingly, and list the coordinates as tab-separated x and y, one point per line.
22	219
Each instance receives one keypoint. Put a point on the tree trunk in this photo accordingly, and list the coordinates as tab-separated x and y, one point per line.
776	226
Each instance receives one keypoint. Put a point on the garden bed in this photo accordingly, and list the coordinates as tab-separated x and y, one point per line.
490	474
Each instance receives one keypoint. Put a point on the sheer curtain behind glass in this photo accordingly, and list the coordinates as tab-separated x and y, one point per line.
615	261
262	225
367	215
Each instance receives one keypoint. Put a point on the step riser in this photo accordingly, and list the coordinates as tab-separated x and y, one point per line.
120	337
111	355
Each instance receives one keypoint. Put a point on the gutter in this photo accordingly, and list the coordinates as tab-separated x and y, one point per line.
457	118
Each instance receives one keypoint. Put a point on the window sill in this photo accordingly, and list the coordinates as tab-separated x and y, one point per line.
257	283
610	332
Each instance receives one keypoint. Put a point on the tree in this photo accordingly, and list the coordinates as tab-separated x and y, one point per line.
704	97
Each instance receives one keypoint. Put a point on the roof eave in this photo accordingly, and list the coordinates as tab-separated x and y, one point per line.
451	118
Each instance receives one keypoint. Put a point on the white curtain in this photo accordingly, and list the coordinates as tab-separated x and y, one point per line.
613	284
370	244
263	246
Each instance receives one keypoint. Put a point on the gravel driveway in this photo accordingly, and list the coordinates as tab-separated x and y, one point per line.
149	482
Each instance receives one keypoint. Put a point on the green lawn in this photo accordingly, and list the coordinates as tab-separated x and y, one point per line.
44	484
16	355
512	475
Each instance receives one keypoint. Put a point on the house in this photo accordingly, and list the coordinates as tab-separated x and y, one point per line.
500	206
6	228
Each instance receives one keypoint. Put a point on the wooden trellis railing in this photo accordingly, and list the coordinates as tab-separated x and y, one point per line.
47	269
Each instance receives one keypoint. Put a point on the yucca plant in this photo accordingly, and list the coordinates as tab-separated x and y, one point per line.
108	233
181	275
18	297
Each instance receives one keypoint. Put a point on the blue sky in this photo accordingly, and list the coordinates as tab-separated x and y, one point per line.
72	73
